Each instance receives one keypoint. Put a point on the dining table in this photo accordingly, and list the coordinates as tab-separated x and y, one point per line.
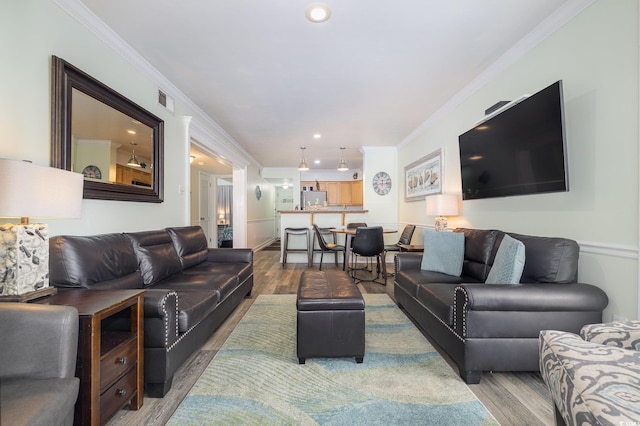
349	233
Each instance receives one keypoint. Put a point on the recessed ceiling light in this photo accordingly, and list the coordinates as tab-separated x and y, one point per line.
318	12
317	135
317	161
131	132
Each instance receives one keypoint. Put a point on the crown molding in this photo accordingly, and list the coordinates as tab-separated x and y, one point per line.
550	25
81	13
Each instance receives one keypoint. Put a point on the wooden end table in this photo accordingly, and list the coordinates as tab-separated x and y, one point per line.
110	359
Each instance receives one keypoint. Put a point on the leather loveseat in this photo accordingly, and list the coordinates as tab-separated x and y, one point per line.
37	364
495	327
190	289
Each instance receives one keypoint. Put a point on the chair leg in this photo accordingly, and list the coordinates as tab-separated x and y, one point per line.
321	255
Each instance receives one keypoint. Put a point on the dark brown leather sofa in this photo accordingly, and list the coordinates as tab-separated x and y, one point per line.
190	289
495	327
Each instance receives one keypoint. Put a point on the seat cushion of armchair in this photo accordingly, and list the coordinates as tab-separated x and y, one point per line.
590	383
38	402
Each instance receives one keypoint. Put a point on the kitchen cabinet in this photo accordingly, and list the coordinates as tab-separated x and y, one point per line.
339	193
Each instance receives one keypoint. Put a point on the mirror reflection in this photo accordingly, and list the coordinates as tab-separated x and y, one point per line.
114	149
96	131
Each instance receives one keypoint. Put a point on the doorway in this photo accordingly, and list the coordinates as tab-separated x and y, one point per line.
206	172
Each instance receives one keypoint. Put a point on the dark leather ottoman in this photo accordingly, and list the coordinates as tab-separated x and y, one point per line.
330	319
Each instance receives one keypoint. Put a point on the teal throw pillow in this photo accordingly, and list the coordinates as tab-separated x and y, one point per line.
443	252
509	262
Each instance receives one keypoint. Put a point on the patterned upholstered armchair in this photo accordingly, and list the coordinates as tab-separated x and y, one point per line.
593	378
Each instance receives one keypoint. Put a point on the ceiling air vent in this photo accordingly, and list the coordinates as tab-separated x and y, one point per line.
165	100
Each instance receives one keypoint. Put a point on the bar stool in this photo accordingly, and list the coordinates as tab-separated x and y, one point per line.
285	246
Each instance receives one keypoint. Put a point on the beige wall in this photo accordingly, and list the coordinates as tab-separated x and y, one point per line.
596	56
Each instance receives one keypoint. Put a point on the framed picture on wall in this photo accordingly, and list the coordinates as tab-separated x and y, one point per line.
423	177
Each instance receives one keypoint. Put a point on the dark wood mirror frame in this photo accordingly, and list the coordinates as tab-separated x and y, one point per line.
66	77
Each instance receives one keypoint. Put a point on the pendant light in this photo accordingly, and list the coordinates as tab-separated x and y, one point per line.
303	162
342	165
133	160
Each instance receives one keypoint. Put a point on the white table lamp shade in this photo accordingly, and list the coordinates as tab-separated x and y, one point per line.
29	190
442	205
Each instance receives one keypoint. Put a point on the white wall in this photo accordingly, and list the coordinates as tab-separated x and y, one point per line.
596	56
32	31
261	227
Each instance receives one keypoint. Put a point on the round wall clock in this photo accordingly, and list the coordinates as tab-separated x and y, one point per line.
92	172
382	183
258	192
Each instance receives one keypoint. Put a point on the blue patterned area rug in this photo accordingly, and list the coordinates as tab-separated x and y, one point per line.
255	378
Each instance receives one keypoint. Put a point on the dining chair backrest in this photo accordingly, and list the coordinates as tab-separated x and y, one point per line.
321	241
355	225
368	241
407	234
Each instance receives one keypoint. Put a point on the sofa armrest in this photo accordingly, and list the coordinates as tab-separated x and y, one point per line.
622	334
531	297
405	261
38	341
160	318
586	379
237	255
479	308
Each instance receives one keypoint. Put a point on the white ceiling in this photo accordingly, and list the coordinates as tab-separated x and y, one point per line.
369	76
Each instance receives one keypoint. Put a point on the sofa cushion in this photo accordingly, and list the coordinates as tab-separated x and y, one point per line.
193	307
38	402
219	284
242	270
438	298
443	252
96	262
190	244
479	251
157	259
549	259
509	262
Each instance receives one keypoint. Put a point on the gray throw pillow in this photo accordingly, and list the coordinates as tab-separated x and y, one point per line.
443	252
509	262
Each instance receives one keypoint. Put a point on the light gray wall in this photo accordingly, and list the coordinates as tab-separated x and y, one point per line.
596	56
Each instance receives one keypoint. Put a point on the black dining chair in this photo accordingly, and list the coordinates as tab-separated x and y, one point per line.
356	225
369	242
326	247
405	238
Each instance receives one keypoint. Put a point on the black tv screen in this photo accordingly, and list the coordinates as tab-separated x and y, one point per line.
519	151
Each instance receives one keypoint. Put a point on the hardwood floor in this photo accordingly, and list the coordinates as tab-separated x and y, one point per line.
512	398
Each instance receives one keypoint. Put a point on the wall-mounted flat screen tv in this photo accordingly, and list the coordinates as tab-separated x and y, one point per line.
519	151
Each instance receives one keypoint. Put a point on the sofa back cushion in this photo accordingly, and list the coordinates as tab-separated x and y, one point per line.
549	259
190	243
479	251
157	259
97	262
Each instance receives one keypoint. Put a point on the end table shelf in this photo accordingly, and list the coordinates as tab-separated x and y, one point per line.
110	362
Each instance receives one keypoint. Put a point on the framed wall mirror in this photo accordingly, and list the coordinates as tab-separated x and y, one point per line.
117	145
